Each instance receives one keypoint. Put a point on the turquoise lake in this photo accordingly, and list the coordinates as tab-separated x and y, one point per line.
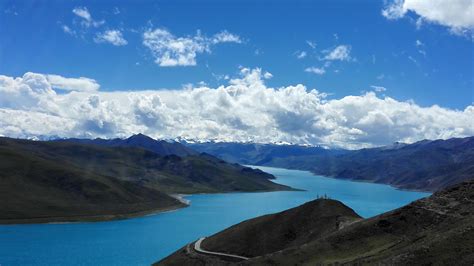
144	240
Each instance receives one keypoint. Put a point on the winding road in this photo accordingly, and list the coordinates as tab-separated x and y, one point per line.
197	247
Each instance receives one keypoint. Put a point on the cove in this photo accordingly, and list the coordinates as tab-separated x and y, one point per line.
144	240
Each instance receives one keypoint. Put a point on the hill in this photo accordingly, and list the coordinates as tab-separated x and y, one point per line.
45	181
434	230
290	228
425	165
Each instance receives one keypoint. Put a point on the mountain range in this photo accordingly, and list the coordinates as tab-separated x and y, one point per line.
426	165
160	147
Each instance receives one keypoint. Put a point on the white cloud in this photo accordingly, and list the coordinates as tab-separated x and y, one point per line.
341	53
457	15
116	11
225	36
72	84
173	51
301	55
86	18
170	50
83	13
394	10
338	53
68	30
316	70
244	110
113	37
378	88
419	45
413	60
311	44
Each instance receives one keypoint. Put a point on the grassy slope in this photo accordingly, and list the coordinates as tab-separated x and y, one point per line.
274	232
39	189
44	179
435	230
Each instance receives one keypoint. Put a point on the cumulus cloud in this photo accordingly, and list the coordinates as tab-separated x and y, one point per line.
245	109
457	15
316	70
86	18
113	37
341	53
170	50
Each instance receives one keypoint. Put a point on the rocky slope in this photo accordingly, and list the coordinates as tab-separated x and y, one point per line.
435	230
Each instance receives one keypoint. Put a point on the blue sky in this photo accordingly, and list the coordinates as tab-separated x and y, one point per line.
384	51
395	53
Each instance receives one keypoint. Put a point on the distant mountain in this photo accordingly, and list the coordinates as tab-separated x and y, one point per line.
437	230
258	154
160	147
54	181
425	165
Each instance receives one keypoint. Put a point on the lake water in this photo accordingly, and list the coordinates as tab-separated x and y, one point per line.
142	241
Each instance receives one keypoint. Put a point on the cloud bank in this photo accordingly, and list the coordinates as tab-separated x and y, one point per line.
243	110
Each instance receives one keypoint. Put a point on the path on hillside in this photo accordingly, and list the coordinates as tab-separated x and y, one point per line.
197	247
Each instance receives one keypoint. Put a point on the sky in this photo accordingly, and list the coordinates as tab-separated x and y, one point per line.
338	73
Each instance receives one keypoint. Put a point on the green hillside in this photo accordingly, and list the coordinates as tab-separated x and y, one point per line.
69	181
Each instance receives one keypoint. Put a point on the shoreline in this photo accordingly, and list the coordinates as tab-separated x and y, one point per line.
91	218
180	197
183	203
352	180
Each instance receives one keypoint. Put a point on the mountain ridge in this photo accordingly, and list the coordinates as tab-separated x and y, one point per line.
427	165
140	140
